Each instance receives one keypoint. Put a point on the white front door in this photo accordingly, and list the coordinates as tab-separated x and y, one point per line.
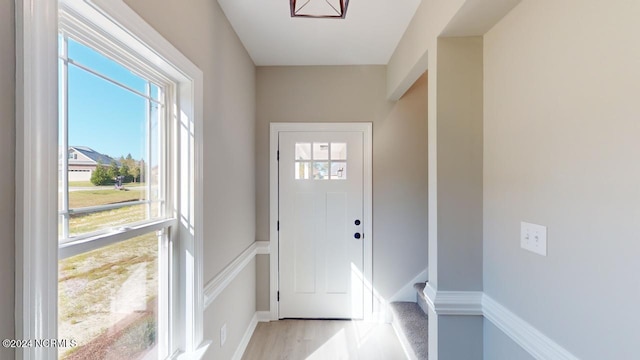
321	223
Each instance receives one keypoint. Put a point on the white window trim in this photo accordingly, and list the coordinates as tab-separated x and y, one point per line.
74	23
371	313
37	161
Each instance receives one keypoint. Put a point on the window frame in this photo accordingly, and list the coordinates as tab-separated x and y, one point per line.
72	27
37	167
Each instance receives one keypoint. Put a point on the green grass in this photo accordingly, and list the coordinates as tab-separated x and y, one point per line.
90	184
80	183
85	223
79	199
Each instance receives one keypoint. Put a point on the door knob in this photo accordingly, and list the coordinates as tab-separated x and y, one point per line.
356	235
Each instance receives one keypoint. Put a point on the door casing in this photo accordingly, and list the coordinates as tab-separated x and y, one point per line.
367	130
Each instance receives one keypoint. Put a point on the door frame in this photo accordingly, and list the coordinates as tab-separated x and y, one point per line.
366	128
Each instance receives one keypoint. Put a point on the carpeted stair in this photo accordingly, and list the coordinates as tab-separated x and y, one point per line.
411	324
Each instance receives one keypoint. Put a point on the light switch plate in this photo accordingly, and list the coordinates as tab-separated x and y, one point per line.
533	237
223	334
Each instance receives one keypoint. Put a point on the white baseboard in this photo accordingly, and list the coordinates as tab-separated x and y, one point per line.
404	342
237	355
264	316
259	316
407	292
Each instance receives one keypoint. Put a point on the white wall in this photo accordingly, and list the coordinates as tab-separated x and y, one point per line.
561	135
7	181
356	94
201	32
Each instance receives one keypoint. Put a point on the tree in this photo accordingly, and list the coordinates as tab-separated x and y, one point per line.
113	170
124	171
100	176
139	170
135	172
133	169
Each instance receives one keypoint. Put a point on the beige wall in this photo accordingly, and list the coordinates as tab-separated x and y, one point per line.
458	262
356	94
234	307
7	181
262	282
455	254
561	135
202	32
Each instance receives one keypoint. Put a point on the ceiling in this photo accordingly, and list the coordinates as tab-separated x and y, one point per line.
368	35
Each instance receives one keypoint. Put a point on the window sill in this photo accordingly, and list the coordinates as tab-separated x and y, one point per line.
197	354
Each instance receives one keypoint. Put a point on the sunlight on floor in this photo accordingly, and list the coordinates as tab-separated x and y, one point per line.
334	348
324	339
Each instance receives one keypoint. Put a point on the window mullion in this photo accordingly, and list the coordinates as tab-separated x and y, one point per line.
149	147
85	245
64	76
108	79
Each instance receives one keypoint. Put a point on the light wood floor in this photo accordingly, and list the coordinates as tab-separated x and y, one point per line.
323	340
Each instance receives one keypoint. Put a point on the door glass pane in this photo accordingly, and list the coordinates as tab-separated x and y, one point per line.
108	301
320	170
338	170
303	151
338	151
320	151
302	170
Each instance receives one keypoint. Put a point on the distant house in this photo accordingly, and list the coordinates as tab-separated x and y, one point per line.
83	161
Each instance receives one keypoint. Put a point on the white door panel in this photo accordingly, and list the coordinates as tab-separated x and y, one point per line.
320	199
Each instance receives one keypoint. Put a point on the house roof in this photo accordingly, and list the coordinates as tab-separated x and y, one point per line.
94	155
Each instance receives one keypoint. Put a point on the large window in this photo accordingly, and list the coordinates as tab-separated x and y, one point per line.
108	231
114	204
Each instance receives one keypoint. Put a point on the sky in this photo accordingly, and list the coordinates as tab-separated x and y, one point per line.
104	116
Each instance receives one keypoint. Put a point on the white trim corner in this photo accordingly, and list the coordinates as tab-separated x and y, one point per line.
264	316
453	302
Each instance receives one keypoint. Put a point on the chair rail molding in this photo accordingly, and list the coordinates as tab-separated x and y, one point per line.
466	303
454	302
217	285
524	334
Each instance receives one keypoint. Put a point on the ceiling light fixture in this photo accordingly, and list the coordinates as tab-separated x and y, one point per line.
327	9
